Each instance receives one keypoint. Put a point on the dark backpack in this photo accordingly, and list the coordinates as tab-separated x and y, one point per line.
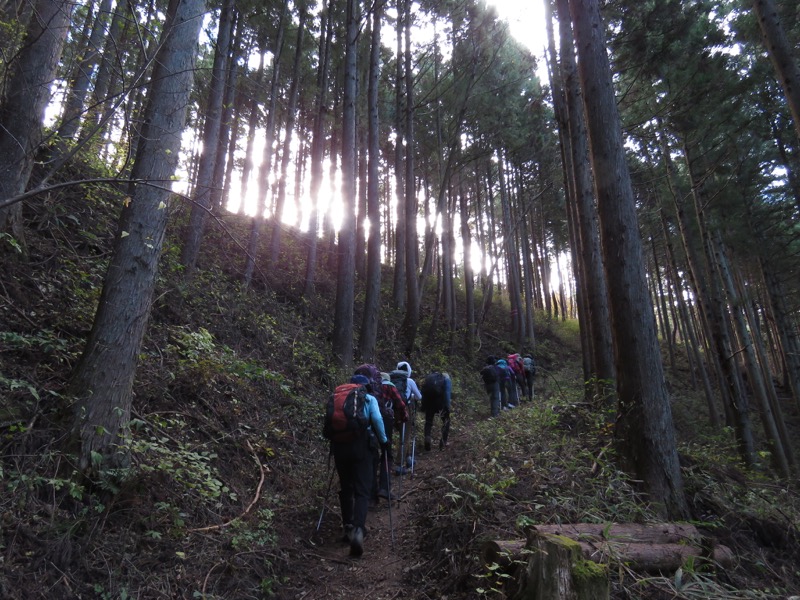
433	391
345	420
398	405
400	380
530	366
489	374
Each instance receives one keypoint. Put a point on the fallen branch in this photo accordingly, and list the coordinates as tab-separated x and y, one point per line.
256	498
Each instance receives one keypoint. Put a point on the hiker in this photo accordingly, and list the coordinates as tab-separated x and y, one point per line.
491	381
530	372
508	385
518	369
395	414
386	405
401	378
353	454
436	396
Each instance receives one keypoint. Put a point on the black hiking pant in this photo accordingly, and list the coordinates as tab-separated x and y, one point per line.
354	464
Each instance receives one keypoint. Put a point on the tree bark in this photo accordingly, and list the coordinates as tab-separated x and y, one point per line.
345	281
372	300
645	434
103	380
286	157
781	54
27	94
203	196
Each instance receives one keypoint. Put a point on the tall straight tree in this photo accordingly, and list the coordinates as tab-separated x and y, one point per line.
645	434
203	191
103	380
294	92
82	77
345	281
781	55
266	160
372	300
25	98
586	211
411	319
318	142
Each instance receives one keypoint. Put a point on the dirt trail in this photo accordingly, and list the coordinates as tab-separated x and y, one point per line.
382	573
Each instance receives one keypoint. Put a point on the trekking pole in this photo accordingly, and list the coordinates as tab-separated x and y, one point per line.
389	490
402	449
413	439
400	472
327	493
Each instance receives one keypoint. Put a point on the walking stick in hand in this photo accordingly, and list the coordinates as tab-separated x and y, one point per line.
327	493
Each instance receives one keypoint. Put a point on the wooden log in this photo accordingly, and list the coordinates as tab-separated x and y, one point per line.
652	533
645	556
653	558
556	570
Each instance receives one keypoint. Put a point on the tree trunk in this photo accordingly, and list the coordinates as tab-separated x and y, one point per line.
399	280
82	77
645	432
372	300
781	54
411	319
345	282
103	380
205	176
291	110
318	145
26	96
266	160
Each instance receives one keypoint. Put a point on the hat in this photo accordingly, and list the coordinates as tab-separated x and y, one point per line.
359	379
404	366
502	362
385	376
490	360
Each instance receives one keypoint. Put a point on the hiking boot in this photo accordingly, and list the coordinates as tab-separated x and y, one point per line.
357	542
348	534
386	494
427	444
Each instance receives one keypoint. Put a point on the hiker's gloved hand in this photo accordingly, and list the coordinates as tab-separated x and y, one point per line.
385	446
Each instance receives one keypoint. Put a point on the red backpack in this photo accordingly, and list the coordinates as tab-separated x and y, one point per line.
516	364
345	420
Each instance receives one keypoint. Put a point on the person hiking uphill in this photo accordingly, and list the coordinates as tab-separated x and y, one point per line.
395	415
354	425
401	378
508	385
436	398
491	381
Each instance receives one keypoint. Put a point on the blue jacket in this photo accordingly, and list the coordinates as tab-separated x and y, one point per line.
373	414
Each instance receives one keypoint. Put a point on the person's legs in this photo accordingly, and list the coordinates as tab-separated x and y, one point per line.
503	394
343	459
493	391
428	427
362	471
529	385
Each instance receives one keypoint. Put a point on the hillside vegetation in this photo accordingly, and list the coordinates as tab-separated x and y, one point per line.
229	471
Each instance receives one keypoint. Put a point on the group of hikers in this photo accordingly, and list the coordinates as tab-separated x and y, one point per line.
362	416
360	420
508	381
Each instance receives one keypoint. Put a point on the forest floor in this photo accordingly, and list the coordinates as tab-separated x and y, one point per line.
391	565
